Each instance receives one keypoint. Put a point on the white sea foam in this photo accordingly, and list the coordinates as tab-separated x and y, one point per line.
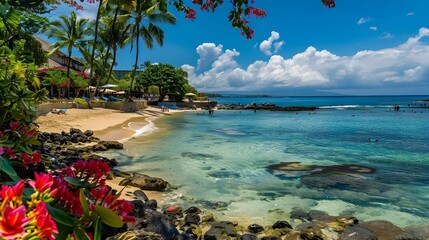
140	128
341	106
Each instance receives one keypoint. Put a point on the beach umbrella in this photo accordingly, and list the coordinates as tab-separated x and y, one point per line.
109	86
92	88
190	94
120	93
107	91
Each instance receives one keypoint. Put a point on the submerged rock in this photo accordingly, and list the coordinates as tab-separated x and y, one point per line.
201	156
291	166
384	230
357	233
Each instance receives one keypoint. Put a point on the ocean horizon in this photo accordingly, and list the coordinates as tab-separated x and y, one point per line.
227	161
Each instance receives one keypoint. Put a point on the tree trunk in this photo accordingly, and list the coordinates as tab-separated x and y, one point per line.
91	64
68	73
133	73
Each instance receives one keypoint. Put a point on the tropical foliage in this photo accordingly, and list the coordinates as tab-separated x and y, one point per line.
37	202
169	80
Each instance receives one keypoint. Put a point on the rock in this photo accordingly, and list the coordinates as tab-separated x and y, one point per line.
294	236
112	144
88	133
141	195
282	224
270	238
357	233
152	204
159	223
99	147
220	230
145	182
193	209
247	237
300	214
207	217
384	230
419	232
192	218
136	235
291	166
184	237
309	231
173	212
75	130
215	234
255	228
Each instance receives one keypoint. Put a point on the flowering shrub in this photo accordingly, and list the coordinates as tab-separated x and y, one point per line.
27	219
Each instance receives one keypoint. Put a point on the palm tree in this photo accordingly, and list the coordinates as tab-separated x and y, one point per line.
71	33
153	13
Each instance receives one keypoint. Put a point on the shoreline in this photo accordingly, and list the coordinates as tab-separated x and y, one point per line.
108	125
121	133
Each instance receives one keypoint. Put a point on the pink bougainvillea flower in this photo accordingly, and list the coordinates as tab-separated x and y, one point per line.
12	222
42	182
12	193
191	14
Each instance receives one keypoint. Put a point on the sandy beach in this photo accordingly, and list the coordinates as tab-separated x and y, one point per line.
107	124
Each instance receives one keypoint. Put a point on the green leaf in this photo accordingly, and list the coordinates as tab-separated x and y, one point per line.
60	216
8	169
98	228
84	203
7	143
63	231
80	234
76	182
109	217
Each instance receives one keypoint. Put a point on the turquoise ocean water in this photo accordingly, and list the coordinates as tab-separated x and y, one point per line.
220	160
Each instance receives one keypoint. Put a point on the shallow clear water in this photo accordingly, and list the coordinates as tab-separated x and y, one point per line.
223	158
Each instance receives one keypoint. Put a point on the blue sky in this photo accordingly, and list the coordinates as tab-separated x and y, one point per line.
360	47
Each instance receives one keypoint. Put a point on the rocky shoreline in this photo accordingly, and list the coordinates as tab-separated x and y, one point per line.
264	107
63	149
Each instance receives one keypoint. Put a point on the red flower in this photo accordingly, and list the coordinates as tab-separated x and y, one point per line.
12	193
257	12
329	3
42	182
46	225
35	158
12	222
14	125
191	14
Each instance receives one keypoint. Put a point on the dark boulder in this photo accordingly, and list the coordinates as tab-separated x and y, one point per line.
145	182
282	224
192	218
141	195
88	133
193	209
75	130
255	228
247	237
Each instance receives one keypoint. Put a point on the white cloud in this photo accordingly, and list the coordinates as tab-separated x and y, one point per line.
267	45
387	35
363	20
208	53
406	63
409	14
373	28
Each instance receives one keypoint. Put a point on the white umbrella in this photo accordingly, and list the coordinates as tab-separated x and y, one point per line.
108	86
190	95
107	91
120	93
